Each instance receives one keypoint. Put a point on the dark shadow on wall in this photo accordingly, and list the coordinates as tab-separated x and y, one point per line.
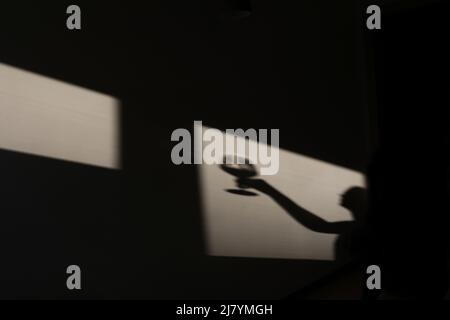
56	214
171	64
408	176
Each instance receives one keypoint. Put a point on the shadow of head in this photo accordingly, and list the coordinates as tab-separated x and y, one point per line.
354	199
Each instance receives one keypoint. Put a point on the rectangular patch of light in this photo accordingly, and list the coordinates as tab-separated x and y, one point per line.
255	226
50	118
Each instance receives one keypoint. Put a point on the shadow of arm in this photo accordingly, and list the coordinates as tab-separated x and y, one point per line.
300	214
307	218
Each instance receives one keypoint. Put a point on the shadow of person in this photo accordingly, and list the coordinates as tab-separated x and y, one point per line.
351	234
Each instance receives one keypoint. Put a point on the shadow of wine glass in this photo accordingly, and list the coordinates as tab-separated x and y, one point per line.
241	169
